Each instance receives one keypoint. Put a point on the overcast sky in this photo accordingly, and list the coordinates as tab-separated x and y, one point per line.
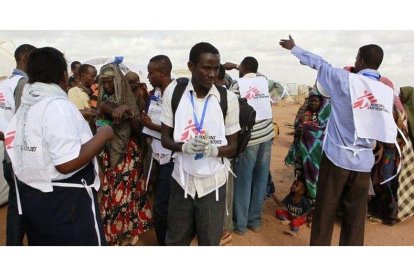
337	47
236	28
277	19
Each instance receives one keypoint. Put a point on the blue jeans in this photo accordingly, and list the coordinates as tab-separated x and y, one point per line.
162	198
15	226
252	170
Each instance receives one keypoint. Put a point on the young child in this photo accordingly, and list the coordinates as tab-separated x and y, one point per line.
296	208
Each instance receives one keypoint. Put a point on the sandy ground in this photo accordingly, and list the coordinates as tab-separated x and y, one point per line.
272	232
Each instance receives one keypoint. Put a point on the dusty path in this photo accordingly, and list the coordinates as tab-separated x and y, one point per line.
272	233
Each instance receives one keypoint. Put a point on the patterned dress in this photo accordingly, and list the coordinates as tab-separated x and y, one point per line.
125	209
305	153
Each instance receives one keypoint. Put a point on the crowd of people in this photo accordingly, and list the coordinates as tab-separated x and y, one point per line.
83	152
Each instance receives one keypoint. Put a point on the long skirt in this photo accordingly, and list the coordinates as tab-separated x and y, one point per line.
125	210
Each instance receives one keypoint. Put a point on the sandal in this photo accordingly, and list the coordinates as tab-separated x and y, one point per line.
225	238
373	220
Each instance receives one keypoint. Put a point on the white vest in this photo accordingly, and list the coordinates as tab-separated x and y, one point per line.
154	112
256	91
7	104
38	170
184	130
372	107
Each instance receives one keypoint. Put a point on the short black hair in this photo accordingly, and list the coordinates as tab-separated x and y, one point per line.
250	65
47	65
23	49
202	48
164	61
84	68
73	64
222	72
372	55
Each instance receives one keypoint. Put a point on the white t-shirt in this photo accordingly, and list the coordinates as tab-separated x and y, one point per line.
55	134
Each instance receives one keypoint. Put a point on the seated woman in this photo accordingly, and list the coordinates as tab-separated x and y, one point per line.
125	210
305	153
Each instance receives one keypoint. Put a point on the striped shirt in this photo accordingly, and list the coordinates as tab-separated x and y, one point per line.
262	130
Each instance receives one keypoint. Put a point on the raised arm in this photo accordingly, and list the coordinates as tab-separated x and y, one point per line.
328	76
287	43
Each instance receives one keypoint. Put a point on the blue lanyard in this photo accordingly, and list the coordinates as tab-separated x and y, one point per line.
155	99
372	75
199	126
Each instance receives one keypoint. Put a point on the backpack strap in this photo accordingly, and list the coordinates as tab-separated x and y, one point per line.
223	99
178	94
179	91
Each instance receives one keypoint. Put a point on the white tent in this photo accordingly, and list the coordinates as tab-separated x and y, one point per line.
7	61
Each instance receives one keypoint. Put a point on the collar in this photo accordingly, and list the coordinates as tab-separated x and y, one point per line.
19	72
250	75
213	90
371	74
173	83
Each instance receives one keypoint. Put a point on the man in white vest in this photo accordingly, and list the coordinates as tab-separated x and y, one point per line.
10	93
361	114
201	139
252	165
159	75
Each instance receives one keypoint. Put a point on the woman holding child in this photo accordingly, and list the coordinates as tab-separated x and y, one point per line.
306	150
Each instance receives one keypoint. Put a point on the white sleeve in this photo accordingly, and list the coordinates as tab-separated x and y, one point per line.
62	131
167	116
231	122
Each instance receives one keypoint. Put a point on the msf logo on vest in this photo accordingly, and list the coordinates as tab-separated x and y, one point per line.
368	101
190	131
252	93
3	102
8	142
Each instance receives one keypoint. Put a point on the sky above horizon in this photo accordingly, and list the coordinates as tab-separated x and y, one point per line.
337	47
342	23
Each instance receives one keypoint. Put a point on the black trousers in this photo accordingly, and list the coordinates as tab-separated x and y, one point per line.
343	188
162	197
15	225
62	217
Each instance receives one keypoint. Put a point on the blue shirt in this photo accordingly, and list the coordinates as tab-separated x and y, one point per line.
341	128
